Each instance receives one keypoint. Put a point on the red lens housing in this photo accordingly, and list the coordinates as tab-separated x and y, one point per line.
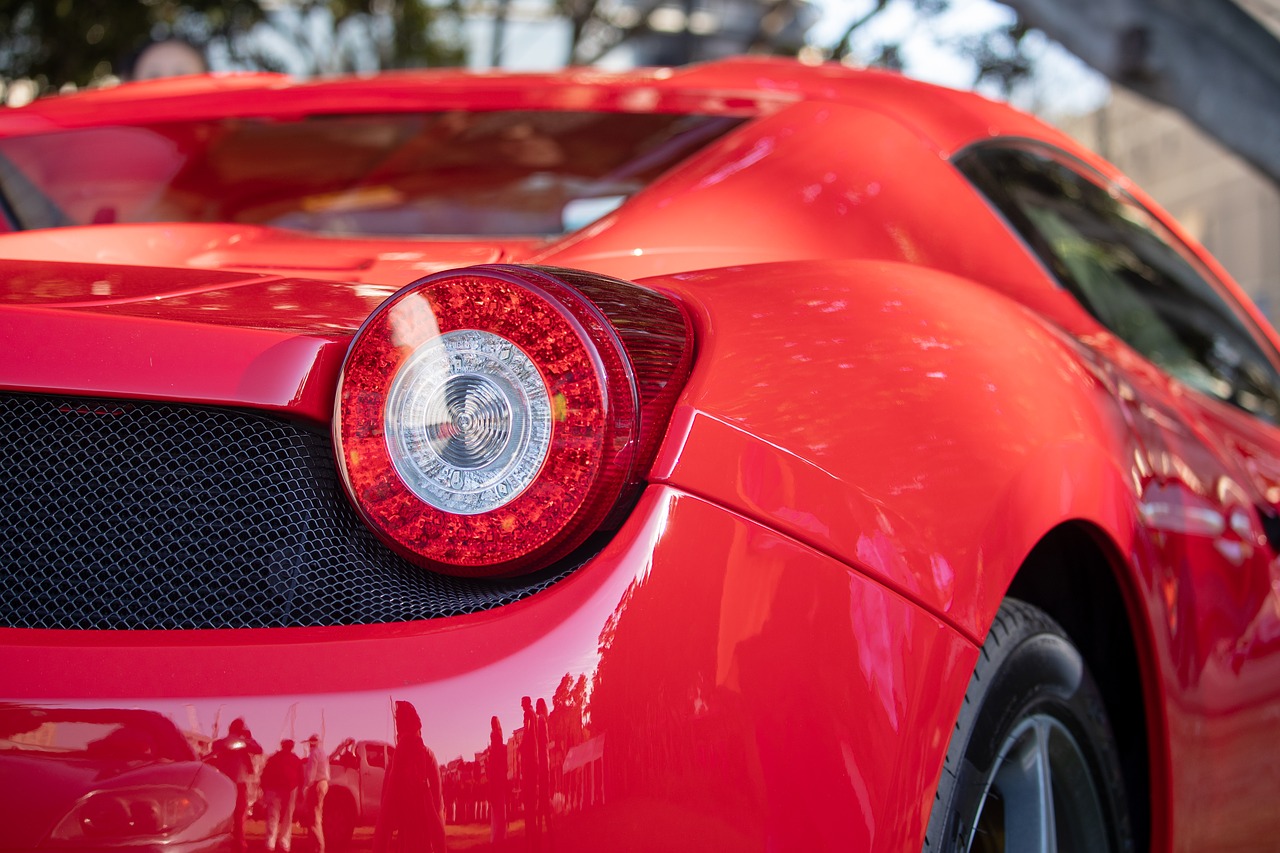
598	411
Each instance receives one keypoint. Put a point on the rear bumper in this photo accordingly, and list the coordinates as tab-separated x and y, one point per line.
709	683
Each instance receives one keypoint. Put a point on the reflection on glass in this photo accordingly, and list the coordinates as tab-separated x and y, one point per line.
1131	274
456	172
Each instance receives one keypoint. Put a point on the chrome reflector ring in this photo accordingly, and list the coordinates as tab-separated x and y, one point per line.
468	421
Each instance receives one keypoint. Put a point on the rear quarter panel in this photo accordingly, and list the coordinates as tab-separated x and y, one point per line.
918	426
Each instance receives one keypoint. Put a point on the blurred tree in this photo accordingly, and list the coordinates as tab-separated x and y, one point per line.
999	55
310	37
689	30
1209	59
57	42
676	32
78	42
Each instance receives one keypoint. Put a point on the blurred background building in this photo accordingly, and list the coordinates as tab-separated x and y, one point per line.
1227	205
1221	201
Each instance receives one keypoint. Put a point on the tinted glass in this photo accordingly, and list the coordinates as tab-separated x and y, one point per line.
1130	273
447	173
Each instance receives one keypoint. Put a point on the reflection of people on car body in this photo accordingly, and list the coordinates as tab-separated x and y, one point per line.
316	780
412	801
233	755
528	772
281	780
496	769
544	768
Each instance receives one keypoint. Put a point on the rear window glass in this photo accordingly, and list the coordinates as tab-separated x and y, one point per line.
446	173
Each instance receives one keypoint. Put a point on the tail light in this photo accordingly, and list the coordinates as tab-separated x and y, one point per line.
490	419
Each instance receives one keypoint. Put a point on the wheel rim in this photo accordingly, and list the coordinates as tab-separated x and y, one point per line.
1040	795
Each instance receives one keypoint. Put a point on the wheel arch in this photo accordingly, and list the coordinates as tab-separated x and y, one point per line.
1077	575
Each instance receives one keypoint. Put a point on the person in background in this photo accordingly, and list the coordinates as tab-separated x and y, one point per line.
544	766
529	774
172	57
281	781
315	777
496	768
233	755
412	801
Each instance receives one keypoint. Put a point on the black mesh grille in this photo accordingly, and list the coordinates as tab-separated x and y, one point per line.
144	515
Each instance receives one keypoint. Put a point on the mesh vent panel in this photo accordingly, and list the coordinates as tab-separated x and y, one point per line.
154	516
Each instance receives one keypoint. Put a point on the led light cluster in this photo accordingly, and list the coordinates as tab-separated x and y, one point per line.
487	420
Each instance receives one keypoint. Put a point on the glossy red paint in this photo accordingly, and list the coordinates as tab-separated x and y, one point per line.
258	251
690	626
893	411
135	333
770	450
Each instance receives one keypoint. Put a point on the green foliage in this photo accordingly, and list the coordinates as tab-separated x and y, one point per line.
80	42
334	36
58	42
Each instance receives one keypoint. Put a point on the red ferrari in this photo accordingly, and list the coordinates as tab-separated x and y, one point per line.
745	457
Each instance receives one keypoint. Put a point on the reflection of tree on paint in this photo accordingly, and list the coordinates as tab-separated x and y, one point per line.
678	724
565	725
412	801
801	735
637	709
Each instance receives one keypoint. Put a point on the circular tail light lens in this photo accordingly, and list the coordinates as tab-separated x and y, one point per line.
468	422
488	419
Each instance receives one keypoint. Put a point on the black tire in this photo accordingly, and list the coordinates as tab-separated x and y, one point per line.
339	819
1032	754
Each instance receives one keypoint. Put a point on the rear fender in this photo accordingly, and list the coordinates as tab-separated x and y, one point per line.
924	429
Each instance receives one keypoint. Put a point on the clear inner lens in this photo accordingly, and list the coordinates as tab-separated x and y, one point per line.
468	422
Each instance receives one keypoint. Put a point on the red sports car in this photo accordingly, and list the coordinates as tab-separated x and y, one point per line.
746	457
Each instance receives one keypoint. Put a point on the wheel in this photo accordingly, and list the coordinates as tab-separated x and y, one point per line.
339	819
1032	764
